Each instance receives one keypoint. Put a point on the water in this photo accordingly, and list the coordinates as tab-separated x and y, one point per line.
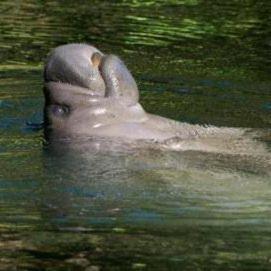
85	209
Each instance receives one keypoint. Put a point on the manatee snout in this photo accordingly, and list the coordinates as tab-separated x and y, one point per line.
84	86
118	80
78	68
71	64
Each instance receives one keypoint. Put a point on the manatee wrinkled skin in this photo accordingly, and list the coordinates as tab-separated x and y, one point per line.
89	94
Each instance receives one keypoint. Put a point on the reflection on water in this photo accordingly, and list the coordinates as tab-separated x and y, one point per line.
89	208
142	208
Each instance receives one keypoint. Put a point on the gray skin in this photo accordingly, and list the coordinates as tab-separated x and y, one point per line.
89	94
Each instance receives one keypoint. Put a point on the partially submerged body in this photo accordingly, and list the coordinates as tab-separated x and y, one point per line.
89	94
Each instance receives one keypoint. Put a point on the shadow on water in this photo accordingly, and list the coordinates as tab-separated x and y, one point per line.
101	207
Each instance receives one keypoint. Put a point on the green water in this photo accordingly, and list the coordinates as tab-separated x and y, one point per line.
205	62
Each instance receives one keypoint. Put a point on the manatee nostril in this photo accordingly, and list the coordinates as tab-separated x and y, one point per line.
96	59
60	110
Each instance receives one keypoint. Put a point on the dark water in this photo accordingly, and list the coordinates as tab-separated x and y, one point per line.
205	62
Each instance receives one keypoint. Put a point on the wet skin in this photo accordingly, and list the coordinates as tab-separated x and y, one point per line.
89	94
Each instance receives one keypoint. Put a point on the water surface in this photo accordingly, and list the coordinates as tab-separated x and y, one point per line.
67	209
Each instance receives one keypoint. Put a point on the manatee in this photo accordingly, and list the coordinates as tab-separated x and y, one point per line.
90	94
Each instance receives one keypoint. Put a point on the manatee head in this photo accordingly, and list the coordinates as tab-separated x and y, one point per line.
72	64
84	88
